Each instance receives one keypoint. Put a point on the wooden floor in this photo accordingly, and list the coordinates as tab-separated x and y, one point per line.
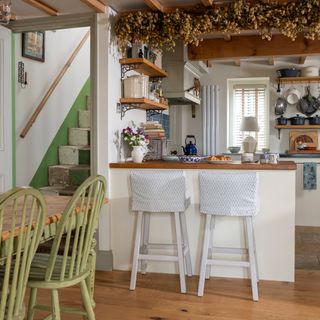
157	297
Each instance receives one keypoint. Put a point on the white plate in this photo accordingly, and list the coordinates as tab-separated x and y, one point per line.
218	161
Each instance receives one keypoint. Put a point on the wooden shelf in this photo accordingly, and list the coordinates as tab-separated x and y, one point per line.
144	103
144	66
299	79
304	126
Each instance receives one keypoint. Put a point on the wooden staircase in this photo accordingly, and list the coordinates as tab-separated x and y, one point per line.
74	159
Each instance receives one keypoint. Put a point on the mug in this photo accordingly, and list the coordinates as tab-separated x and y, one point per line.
273	158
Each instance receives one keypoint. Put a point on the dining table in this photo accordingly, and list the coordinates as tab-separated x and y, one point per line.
55	206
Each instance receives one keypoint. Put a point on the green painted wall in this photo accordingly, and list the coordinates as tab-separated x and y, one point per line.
40	179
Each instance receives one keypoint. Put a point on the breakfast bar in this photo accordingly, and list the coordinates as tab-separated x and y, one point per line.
274	225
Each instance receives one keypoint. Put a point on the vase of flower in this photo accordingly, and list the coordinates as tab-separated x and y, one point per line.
136	139
138	154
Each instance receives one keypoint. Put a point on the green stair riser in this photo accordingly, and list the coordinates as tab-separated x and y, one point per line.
84	157
40	179
77	176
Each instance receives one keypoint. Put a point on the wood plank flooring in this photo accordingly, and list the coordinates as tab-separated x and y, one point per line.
157	297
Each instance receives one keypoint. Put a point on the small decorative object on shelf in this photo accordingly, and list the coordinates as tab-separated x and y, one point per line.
136	138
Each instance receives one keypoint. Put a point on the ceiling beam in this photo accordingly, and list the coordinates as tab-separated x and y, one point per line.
154	5
252	46
207	3
96	5
43	7
302	59
271	61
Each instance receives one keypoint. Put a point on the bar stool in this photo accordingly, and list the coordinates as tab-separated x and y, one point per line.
228	194
160	191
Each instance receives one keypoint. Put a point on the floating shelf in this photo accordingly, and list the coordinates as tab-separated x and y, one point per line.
141	65
304	126
127	104
291	126
299	79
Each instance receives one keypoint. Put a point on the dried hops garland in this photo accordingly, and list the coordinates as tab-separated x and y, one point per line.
162	30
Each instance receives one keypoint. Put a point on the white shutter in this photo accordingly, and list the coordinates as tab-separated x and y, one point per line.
249	100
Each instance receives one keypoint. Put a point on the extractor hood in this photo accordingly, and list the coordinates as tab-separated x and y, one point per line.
181	85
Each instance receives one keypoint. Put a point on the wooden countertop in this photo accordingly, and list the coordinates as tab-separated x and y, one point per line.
159	164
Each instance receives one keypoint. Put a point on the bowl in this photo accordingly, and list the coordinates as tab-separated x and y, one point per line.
292	95
234	149
170	158
190	159
288	72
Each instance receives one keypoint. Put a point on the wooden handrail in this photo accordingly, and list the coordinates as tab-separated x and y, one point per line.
53	86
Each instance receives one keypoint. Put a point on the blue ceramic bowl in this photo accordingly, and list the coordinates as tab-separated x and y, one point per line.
190	159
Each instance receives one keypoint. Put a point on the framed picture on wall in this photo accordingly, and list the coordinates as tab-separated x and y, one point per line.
33	45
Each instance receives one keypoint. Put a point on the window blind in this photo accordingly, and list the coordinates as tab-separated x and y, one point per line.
249	100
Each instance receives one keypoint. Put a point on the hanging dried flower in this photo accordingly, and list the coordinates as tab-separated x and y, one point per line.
162	30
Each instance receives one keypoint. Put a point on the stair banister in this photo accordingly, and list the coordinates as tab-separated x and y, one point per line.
53	86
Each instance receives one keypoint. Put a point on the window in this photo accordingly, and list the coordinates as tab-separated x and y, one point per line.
248	97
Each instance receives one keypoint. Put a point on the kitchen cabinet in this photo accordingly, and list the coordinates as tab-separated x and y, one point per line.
146	67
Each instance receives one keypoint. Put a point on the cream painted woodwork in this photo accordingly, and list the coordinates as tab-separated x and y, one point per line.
274	226
5	110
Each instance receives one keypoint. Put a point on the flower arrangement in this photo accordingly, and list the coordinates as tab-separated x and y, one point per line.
135	137
162	30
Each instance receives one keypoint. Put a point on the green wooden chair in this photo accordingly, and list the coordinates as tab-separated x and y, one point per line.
77	229
22	218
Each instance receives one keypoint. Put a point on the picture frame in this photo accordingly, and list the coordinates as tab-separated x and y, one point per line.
33	45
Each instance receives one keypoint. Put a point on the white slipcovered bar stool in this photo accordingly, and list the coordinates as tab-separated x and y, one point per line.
160	191
228	194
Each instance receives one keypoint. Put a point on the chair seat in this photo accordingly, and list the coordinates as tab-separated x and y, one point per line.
39	268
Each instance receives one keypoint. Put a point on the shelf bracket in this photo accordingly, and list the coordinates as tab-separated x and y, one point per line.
123	108
126	68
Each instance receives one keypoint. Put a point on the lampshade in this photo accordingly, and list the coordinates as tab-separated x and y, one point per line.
249	124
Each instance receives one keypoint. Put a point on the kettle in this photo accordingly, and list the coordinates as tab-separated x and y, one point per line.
190	148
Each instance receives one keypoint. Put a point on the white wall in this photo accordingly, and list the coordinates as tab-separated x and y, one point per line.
221	72
59	46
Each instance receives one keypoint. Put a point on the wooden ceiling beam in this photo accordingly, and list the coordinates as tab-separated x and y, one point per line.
207	3
96	5
43	7
154	5
252	46
302	59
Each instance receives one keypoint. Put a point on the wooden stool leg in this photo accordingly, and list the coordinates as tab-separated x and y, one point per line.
255	254
252	259
183	288
136	252
186	243
204	258
146	232
210	249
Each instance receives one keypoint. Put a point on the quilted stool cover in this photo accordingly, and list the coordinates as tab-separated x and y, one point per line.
158	190
229	194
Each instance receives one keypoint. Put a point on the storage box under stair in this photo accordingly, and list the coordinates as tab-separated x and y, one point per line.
68	175
79	136
74	155
84	119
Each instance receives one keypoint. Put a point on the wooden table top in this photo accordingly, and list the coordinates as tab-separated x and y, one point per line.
160	164
55	206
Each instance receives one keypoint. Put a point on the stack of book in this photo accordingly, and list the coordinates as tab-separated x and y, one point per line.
154	130
156	136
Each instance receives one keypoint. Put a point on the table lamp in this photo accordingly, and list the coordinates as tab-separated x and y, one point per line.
249	124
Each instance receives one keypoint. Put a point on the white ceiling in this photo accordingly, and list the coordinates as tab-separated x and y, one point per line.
24	10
